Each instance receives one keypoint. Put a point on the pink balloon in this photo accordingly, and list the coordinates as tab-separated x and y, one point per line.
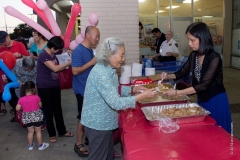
41	4
73	45
15	13
75	10
83	32
39	12
93	19
79	39
88	24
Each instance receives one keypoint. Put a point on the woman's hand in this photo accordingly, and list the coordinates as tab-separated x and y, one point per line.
171	92
137	88
148	93
163	75
69	61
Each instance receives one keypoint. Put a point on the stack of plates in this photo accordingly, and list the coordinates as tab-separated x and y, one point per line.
149	71
124	80
136	69
125	74
126	71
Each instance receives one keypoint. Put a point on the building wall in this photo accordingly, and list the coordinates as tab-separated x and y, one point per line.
227	33
61	18
116	18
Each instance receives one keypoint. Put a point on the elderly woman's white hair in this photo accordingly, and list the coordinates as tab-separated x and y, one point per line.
109	46
28	62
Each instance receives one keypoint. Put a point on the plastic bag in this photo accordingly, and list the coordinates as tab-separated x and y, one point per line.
167	125
65	77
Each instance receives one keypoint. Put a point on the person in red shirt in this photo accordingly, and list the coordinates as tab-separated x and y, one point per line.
19	51
16	48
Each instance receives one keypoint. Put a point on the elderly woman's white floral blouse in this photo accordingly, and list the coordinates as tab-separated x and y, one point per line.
102	101
23	75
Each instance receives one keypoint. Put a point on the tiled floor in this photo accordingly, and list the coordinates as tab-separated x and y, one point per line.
13	142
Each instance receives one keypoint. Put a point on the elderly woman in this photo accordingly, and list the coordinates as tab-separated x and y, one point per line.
102	101
24	70
48	86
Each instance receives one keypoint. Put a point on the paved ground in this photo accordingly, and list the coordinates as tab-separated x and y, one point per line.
13	138
13	142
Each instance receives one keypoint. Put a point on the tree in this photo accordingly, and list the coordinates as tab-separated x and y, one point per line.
22	30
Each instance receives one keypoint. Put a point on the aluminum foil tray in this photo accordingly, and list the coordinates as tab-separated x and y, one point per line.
161	101
153	113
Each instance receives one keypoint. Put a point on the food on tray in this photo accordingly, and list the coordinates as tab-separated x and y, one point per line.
164	87
151	85
162	98
181	112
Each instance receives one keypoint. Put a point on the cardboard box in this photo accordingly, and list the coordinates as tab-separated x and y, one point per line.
155	77
139	77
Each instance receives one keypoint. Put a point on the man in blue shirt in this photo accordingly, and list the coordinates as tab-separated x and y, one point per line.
83	61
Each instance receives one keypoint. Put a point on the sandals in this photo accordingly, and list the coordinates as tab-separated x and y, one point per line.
83	153
68	134
53	139
12	111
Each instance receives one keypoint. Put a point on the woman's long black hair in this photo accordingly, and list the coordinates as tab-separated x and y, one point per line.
200	30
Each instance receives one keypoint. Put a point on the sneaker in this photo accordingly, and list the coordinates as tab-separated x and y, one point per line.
30	146
43	146
43	127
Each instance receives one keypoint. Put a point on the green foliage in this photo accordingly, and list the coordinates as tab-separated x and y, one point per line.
22	30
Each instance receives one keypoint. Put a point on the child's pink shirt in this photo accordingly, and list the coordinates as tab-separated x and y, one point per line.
29	103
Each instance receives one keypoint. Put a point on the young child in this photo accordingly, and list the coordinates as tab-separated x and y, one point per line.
32	115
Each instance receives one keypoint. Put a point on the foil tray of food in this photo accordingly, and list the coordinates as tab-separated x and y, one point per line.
180	113
161	98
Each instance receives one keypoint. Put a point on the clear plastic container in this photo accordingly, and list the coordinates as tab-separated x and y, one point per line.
167	125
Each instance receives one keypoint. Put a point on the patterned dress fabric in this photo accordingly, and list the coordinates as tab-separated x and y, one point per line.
101	99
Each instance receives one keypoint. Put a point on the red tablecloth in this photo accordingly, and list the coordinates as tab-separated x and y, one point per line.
198	141
134	120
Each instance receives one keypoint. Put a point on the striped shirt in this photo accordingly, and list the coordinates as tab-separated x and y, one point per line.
102	101
80	56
